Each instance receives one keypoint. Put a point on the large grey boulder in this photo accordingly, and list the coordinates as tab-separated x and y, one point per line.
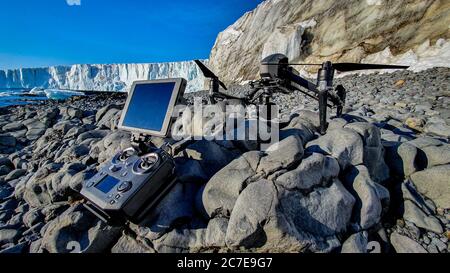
435	155
403	244
175	209
402	159
344	144
252	210
315	170
211	156
281	155
434	184
373	149
370	196
299	126
275	219
223	189
76	230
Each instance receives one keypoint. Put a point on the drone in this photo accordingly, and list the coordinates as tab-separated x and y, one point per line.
278	76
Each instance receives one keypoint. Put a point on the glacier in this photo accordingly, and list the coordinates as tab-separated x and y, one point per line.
101	77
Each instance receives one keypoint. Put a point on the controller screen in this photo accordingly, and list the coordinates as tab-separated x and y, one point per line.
107	184
148	106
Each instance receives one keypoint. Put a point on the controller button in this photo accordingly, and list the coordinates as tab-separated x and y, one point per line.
114	168
124	174
112	202
124	186
117	196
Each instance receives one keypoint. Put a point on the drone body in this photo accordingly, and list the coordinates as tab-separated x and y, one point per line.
278	75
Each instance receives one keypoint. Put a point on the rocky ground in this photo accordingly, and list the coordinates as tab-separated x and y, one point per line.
380	174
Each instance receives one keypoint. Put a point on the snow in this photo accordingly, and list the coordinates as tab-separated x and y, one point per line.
111	77
424	57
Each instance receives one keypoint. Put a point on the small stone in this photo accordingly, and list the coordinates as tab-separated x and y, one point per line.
415	123
15	174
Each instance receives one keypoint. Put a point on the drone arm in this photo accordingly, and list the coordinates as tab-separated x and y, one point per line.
302	82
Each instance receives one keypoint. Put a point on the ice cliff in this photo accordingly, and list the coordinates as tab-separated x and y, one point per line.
413	32
111	77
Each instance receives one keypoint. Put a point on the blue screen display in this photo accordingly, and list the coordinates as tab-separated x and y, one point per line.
148	106
107	184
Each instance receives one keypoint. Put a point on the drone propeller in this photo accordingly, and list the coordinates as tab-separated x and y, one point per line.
208	73
346	67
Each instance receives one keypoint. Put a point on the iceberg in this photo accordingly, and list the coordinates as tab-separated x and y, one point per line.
55	94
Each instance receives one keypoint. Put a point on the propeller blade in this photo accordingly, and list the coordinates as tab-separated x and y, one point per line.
208	73
223	85
205	70
345	67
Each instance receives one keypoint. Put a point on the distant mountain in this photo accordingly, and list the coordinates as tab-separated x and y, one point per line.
110	77
413	32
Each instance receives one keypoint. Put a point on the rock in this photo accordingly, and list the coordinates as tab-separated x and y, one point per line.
128	244
95	134
282	155
415	123
356	243
9	236
32	217
36	128
315	170
78	231
16	249
402	159
216	232
190	171
223	189
422	142
403	244
104	110
7	140
439	129
76	181
251	211
293	222
15	174
415	215
441	246
211	156
175	209
300	127
180	241
344	144
410	193
373	149
13	126
370	197
435	156
433	183
74	113
4	170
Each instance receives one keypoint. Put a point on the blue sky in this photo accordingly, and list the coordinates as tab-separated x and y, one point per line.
38	33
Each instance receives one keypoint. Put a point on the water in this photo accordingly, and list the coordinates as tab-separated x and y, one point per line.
18	96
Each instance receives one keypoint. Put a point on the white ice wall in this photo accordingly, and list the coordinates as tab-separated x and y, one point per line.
111	77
